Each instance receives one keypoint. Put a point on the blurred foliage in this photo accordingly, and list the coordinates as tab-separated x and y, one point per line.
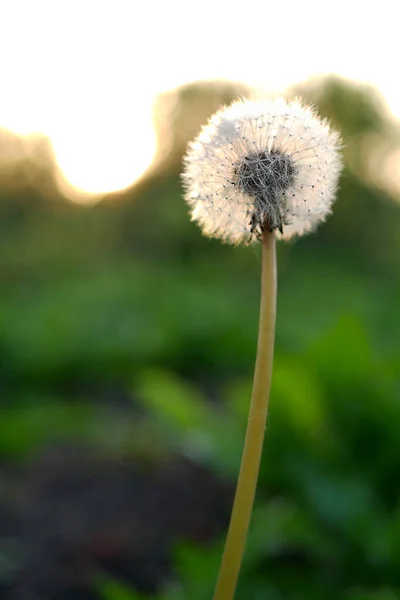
124	329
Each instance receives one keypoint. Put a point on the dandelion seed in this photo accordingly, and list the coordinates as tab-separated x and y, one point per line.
277	164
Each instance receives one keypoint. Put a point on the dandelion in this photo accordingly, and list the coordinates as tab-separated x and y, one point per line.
259	170
262	164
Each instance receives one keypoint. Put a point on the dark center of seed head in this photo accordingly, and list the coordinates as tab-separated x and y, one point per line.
265	175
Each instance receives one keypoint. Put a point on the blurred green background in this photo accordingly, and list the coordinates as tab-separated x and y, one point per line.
127	344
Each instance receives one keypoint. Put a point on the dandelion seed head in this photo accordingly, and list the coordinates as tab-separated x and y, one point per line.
262	164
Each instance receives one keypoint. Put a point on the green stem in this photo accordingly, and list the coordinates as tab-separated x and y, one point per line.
252	451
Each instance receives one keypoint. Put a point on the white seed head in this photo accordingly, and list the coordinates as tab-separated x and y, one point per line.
262	164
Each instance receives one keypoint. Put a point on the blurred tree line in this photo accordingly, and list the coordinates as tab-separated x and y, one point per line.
127	343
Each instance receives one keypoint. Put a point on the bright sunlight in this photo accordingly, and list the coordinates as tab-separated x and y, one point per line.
93	69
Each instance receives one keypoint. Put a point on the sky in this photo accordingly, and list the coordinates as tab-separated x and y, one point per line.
85	73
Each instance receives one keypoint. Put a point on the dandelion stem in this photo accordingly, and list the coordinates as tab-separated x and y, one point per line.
252	451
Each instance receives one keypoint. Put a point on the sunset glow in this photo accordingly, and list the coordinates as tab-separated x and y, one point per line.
85	74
